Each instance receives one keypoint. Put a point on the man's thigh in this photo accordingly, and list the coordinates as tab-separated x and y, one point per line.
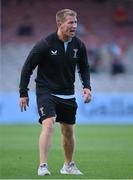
46	106
66	111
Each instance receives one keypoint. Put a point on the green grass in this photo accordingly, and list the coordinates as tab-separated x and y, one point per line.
104	152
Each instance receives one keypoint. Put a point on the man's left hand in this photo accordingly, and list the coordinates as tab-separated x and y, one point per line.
87	95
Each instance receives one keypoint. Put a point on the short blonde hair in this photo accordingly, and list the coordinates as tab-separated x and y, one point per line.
62	14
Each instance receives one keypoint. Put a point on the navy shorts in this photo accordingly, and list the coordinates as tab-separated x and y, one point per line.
51	106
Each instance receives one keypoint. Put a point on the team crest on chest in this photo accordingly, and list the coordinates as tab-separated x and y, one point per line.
75	53
53	53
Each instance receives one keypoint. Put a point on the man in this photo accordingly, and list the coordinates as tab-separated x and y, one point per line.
56	58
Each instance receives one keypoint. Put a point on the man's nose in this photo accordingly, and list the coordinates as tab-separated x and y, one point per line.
75	25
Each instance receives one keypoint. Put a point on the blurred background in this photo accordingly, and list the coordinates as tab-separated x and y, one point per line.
105	26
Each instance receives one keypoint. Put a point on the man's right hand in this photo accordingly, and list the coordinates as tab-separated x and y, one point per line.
24	101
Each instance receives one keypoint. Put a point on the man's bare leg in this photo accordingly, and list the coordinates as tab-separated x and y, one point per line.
68	141
45	139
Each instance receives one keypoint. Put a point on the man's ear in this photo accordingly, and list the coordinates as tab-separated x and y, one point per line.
58	24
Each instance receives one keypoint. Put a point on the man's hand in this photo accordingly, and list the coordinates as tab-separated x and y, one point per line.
87	95
24	101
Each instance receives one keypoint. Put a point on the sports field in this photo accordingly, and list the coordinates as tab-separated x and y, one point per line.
102	152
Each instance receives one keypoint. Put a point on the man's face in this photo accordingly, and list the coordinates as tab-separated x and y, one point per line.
69	26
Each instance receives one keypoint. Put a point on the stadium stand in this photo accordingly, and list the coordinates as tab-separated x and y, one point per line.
97	18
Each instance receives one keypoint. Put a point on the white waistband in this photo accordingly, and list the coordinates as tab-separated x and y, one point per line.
65	96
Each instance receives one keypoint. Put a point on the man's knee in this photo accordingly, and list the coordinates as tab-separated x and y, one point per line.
67	131
68	134
48	123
